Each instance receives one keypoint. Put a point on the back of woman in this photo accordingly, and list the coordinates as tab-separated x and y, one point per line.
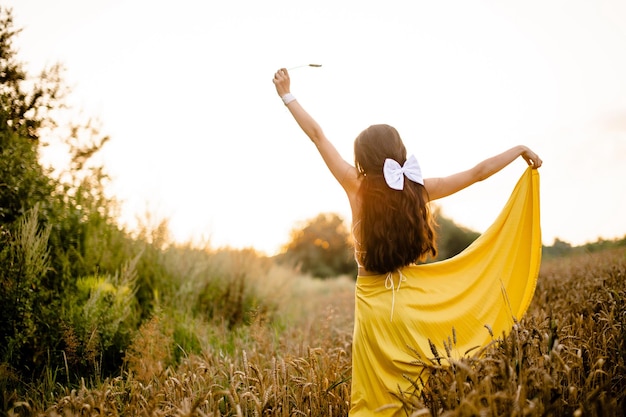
405	312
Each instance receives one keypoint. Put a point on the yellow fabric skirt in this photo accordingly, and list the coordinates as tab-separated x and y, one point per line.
479	292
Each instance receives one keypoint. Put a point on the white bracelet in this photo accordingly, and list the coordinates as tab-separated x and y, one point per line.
288	98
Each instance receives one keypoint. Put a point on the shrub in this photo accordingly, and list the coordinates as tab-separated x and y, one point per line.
24	301
100	320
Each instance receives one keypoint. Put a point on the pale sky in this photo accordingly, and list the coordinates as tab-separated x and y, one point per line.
199	136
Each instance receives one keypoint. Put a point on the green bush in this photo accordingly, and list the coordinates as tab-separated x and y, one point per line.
24	260
53	230
100	320
322	247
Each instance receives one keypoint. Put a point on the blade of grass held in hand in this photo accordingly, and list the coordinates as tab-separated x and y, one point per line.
305	65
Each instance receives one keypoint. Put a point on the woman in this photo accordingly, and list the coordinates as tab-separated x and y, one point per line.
393	230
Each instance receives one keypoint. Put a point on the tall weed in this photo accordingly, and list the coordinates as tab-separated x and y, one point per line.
100	319
23	300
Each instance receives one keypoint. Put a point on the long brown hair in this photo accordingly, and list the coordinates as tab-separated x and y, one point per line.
396	227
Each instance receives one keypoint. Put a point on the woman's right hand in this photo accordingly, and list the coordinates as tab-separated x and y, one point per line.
531	158
282	82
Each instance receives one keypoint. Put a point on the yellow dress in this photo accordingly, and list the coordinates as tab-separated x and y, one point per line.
489	284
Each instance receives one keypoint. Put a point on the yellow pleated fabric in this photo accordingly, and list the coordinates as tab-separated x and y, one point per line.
489	284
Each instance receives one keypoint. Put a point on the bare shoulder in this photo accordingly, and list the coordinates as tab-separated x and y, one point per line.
350	181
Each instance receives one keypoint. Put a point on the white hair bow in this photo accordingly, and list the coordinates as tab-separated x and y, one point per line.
394	173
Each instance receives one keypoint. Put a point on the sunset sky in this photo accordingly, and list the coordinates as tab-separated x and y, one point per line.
199	136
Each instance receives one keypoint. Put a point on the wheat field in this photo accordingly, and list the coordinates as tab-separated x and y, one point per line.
567	357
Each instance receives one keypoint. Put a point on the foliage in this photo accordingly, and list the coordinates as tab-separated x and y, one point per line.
567	356
452	239
23	182
100	317
560	248
321	247
22	179
24	259
53	230
150	351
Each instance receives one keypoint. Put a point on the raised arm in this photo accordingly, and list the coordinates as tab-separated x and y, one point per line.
344	172
445	186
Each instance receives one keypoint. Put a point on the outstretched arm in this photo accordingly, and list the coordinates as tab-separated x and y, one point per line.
445	186
339	167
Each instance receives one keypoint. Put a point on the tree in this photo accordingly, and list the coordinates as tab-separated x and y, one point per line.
24	185
321	246
451	238
54	232
23	181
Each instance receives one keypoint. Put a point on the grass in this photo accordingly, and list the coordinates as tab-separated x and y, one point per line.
566	357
